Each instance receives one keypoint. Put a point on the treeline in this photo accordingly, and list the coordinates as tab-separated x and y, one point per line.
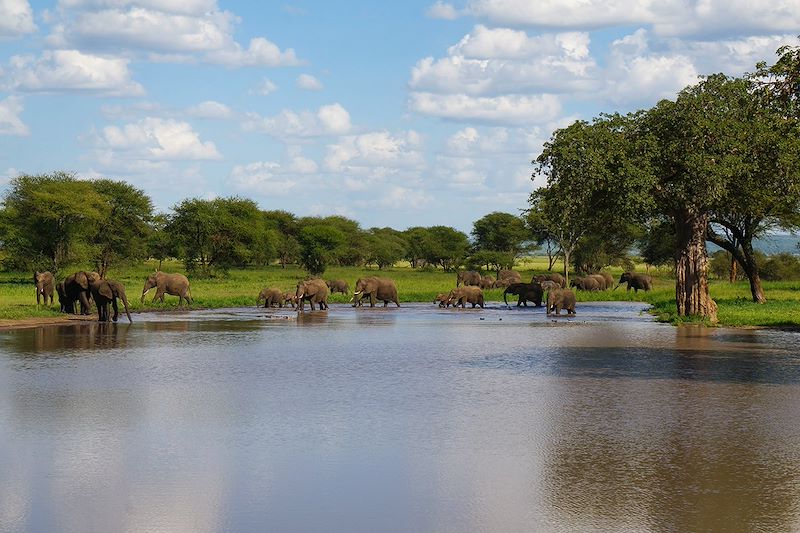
52	220
721	163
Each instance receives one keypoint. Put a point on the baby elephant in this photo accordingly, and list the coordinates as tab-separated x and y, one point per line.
441	299
559	299
289	298
636	281
271	296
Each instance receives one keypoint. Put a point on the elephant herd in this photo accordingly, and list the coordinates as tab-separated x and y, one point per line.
81	288
316	291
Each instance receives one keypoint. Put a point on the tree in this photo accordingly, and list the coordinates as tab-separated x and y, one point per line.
220	234
284	228
160	243
446	247
780	83
541	236
595	182
318	246
123	233
657	243
502	234
49	220
385	246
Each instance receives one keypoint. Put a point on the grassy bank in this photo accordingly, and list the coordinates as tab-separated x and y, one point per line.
240	287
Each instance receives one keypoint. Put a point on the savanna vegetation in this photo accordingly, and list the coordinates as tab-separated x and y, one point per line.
720	163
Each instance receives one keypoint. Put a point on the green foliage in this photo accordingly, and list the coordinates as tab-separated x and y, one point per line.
385	247
284	228
49	219
220	234
657	243
319	244
490	260
501	232
781	267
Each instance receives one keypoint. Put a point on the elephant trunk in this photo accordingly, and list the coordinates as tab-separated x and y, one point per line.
125	304
617	287
505	292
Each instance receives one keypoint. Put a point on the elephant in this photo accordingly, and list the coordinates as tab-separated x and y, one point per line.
290	298
608	277
76	288
635	281
510	274
441	299
468	277
560	299
502	283
105	291
549	285
338	285
487	282
463	295
271	296
174	284
586	283
62	297
525	291
313	290
45	283
377	289
554	277
602	282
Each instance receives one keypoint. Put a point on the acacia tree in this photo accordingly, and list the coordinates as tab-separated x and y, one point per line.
499	238
50	219
595	181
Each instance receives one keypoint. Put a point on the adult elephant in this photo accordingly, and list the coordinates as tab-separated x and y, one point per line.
76	288
554	277
526	292
376	289
464	295
587	283
271	296
173	284
635	281
509	277
313	290
468	278
608	278
105	291
559	299
338	285
487	282
45	283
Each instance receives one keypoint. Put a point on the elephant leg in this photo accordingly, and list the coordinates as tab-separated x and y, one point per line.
116	309
85	306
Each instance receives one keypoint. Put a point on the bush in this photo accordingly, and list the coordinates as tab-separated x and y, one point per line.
784	266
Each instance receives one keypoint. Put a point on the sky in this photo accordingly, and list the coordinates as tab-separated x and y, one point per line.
391	113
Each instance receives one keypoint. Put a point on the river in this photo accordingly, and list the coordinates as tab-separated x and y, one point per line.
410	419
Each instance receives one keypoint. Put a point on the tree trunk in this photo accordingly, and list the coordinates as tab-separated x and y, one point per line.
734	269
566	266
750	267
691	267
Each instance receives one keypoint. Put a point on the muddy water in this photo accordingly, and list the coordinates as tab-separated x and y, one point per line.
411	419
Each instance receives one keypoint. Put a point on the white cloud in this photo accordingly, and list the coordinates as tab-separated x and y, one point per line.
16	19
442	10
506	109
375	154
156	139
667	17
10	123
210	109
71	70
496	61
165	31
330	119
265	87
309	83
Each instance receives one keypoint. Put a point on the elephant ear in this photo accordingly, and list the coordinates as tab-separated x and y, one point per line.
105	291
82	280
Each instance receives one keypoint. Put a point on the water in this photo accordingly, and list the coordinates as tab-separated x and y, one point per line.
412	419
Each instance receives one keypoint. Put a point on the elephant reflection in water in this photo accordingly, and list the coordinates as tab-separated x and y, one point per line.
68	337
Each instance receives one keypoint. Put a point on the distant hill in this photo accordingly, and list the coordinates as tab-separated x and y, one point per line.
772	244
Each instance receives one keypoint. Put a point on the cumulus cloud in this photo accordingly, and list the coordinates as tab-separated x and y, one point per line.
442	10
265	87
16	19
210	109
667	17
156	139
71	70
309	83
330	119
505	109
10	123
495	61
375	154
168	31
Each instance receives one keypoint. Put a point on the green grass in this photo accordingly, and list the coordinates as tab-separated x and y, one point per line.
240	288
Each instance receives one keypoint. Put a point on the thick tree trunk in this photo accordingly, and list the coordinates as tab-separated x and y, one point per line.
691	267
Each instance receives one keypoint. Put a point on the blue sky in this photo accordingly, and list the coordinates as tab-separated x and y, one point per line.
391	113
